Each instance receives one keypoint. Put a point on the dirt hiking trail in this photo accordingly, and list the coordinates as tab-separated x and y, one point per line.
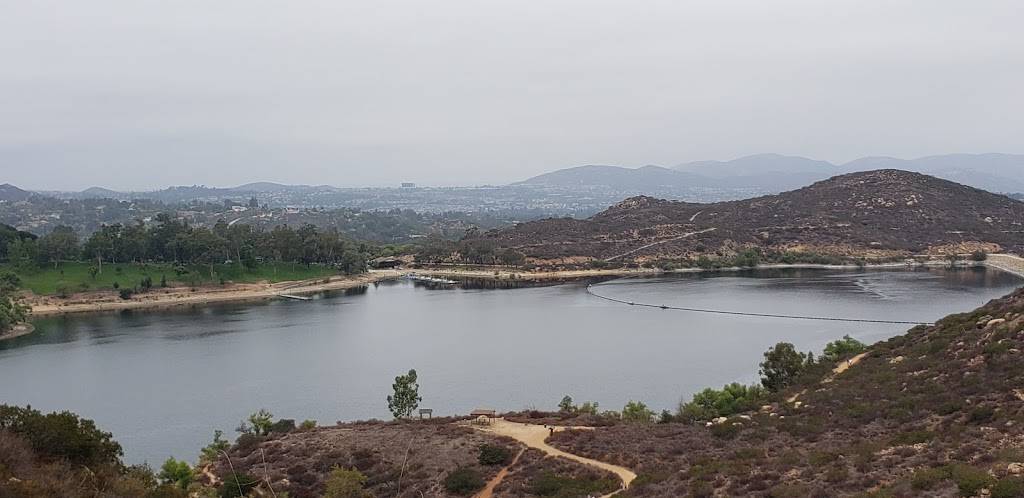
535	436
840	368
488	490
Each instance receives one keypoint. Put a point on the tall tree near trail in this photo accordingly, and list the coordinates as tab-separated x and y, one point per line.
406	397
781	366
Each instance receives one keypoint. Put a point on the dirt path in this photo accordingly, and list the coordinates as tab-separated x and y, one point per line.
840	368
535	436
845	365
652	244
488	490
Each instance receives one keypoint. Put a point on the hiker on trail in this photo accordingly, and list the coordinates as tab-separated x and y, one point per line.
551	431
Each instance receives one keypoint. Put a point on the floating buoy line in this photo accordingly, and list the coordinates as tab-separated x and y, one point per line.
590	290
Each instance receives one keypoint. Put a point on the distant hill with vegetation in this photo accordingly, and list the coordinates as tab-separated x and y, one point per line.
10	193
884	213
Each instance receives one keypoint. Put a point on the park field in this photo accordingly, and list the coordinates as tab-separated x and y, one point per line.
71	277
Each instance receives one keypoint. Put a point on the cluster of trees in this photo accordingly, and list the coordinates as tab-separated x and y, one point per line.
731	399
173	240
10	235
782	367
632	412
473	250
567	407
61	436
11	310
60	454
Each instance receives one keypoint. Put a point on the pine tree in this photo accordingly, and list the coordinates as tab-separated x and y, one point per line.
406	397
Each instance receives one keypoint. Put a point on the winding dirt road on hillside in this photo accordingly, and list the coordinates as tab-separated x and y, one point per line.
652	244
535	436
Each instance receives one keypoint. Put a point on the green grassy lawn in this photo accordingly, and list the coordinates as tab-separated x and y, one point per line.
75	276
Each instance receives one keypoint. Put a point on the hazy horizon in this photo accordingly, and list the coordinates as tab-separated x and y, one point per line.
243	182
144	94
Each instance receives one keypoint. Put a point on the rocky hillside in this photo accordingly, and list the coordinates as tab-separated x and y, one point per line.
936	412
880	213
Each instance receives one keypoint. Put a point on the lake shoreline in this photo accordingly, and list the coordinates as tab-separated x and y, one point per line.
242	293
18	331
178	297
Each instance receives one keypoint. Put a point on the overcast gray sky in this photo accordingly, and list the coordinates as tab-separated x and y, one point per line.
146	93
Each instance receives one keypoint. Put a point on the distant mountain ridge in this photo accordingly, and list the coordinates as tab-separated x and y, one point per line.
733	179
652	179
883	212
773	173
10	193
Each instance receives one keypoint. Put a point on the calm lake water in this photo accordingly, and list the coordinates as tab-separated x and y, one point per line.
163	381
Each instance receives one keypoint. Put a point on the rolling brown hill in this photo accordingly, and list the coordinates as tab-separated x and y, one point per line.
881	213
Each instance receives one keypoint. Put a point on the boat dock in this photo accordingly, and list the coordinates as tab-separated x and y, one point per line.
430	280
293	296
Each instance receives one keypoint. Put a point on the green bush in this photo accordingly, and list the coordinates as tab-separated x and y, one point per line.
283	426
727	430
981	414
463	481
588	408
237	485
212	451
926	479
178	473
731	399
969	480
789	491
844	348
492	454
343	483
1010	487
62	436
637	412
261	422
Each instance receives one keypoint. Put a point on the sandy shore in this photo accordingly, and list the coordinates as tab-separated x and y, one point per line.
204	295
48	305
